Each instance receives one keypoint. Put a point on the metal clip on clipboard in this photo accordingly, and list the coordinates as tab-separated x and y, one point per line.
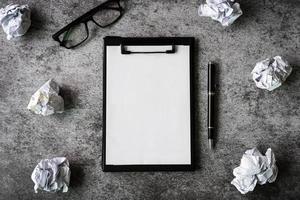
124	50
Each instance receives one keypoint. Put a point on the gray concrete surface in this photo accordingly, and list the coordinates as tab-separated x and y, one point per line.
248	116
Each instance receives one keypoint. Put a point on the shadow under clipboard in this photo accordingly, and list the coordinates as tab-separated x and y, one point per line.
196	107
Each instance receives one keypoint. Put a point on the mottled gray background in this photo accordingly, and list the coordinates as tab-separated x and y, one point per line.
248	116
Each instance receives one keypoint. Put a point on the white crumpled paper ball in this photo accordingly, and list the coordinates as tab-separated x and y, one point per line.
52	175
223	11
255	168
269	74
46	100
15	20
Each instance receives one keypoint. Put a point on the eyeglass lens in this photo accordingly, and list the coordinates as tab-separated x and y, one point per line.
79	33
106	17
74	36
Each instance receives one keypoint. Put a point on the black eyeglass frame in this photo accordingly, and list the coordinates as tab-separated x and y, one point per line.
86	18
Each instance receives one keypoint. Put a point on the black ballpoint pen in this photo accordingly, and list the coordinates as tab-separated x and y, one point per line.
210	109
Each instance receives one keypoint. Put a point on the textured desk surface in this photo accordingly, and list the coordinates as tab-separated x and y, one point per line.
248	116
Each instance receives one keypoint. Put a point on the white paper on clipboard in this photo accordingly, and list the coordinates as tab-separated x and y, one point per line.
148	107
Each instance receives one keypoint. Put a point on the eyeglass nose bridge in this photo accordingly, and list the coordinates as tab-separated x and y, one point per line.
92	19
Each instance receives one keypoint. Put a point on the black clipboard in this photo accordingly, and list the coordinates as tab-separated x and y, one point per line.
112	150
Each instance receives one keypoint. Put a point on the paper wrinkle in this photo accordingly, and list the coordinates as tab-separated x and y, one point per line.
46	100
270	73
224	11
15	20
255	168
52	175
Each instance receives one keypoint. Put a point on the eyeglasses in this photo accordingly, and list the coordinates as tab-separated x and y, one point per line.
75	33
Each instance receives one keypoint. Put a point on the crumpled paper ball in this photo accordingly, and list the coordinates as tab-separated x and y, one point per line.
224	11
255	168
269	74
15	20
46	100
52	175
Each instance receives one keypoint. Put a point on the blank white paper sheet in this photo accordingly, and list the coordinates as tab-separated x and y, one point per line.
148	107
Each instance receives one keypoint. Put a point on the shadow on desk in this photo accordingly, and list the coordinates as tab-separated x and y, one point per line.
77	175
196	111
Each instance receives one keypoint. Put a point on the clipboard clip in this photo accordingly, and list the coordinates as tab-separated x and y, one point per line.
125	51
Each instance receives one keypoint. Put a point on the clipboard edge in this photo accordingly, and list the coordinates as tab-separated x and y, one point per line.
143	168
143	41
